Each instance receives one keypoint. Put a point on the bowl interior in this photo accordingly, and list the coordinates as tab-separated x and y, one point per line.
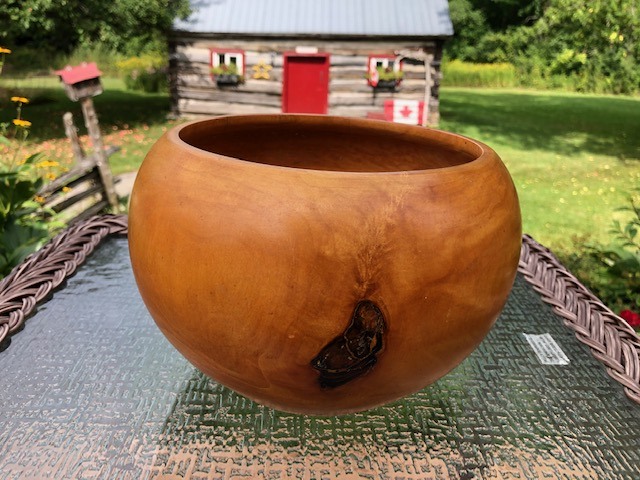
329	143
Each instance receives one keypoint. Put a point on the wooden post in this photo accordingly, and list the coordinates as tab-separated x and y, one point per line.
72	134
427	58
91	121
427	89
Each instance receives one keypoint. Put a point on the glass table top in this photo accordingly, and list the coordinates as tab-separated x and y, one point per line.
91	389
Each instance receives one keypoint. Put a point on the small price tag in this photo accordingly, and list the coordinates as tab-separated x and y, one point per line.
546	349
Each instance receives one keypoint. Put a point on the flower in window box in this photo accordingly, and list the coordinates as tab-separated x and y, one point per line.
385	77
227	74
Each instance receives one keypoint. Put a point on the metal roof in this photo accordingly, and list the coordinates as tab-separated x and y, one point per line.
401	18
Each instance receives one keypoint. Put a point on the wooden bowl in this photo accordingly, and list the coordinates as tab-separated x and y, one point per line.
322	264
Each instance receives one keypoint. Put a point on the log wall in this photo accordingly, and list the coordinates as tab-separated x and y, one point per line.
195	92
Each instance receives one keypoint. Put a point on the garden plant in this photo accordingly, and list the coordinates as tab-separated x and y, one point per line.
619	283
22	228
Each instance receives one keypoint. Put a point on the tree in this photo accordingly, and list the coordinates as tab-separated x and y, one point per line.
502	14
475	20
62	25
469	24
591	43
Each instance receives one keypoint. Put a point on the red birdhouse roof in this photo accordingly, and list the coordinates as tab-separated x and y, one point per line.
84	71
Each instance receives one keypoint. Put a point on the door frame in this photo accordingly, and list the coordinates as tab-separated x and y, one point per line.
285	76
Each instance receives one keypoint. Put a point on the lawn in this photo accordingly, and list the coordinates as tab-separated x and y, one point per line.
574	158
131	120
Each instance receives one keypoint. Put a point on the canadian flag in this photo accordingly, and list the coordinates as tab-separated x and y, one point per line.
404	111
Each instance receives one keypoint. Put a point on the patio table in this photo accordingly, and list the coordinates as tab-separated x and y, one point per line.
90	388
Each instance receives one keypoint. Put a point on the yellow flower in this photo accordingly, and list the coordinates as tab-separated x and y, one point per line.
47	164
39	199
66	189
50	176
4	50
20	99
21	123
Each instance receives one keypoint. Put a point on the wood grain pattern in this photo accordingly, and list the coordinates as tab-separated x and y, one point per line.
255	238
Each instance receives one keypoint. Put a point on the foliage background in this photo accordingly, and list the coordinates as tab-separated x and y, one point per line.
128	26
583	45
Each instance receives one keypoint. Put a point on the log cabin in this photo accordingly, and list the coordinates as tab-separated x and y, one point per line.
362	58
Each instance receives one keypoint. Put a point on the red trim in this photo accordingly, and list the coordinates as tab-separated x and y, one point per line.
285	77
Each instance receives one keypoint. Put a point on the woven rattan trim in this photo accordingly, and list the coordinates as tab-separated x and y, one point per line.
42	272
610	338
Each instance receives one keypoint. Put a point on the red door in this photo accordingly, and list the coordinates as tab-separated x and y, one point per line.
305	83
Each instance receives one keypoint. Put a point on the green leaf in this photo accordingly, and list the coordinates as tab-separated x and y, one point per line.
23	191
32	158
17	241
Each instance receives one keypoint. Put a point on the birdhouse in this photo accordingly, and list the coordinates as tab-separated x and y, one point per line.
82	81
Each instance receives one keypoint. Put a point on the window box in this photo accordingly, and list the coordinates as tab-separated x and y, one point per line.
228	78
227	67
387	84
384	72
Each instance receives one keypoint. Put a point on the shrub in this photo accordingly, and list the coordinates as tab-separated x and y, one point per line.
146	73
106	58
22	230
464	74
32	61
567	62
612	271
575	45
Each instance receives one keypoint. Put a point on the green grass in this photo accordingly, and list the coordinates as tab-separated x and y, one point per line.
574	158
131	120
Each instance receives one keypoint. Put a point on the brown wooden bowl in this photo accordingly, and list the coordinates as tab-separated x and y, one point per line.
322	264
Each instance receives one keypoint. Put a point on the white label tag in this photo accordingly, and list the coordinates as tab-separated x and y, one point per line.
546	349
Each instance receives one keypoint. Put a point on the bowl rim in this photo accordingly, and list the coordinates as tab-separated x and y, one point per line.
454	141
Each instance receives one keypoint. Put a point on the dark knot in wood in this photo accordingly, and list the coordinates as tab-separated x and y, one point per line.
354	352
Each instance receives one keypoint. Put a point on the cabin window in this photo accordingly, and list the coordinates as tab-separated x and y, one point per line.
383	69
384	61
232	60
